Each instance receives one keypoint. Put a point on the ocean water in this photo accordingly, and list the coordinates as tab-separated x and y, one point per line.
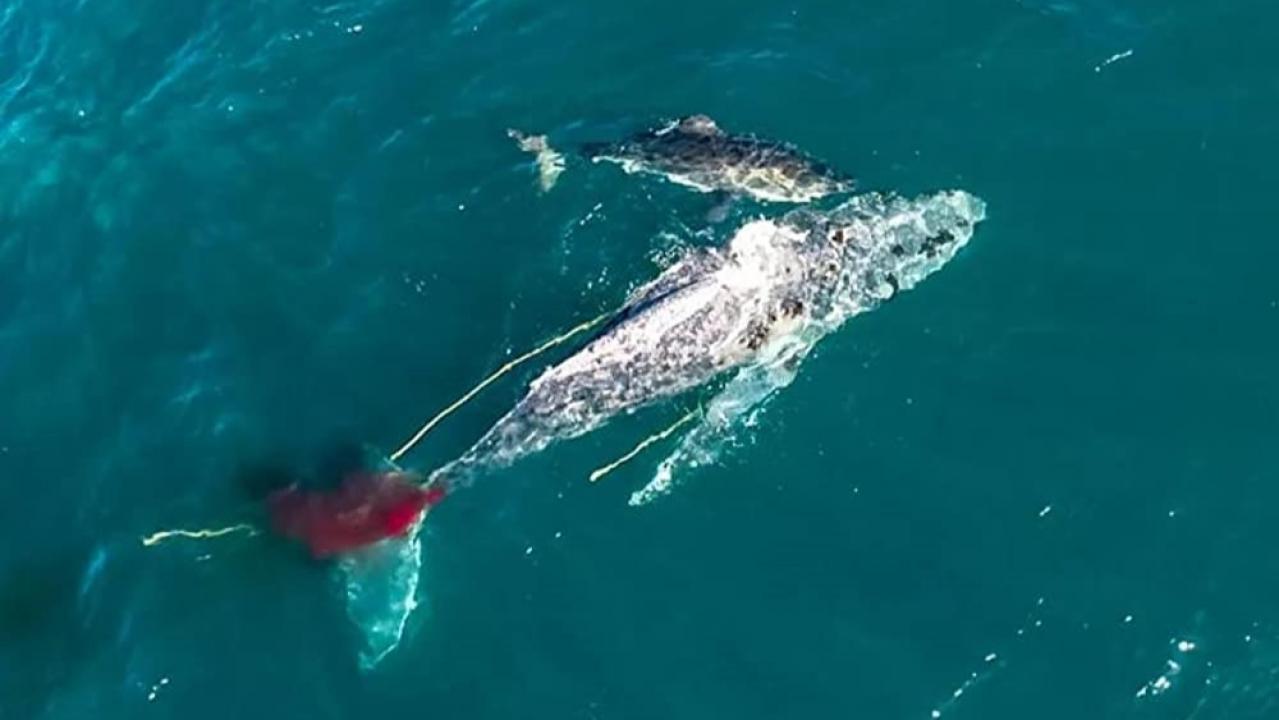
1041	485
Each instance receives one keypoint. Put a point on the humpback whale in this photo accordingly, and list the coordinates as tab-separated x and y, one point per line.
746	313
763	299
695	152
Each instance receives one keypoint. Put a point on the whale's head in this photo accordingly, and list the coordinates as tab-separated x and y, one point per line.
887	244
927	232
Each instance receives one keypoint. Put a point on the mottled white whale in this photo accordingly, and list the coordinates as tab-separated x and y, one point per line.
762	301
746	313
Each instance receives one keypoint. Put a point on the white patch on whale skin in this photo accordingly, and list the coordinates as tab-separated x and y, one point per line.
632	166
762	183
761	258
762	261
646	333
772	184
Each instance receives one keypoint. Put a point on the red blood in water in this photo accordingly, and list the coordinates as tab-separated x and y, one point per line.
401	517
435	494
365	509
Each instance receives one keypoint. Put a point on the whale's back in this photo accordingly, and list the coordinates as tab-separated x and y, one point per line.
694	152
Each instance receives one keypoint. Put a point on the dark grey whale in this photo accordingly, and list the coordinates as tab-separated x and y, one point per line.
695	152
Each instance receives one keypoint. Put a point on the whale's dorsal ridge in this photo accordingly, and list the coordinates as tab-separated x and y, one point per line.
699	125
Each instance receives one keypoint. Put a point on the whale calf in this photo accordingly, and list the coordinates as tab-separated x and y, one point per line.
695	152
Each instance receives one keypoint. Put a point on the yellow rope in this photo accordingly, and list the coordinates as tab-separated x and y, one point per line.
163	535
491	379
198	534
601	472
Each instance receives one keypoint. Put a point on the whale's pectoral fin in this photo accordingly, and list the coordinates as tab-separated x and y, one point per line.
733	409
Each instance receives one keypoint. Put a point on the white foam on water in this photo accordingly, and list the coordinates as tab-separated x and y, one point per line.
1112	60
1182	657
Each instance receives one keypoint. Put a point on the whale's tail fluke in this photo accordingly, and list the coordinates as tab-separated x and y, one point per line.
550	163
370	525
380	583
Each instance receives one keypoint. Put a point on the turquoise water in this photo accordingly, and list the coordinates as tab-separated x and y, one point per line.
1040	485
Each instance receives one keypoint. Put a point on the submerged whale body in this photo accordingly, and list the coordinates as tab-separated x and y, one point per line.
695	152
764	299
